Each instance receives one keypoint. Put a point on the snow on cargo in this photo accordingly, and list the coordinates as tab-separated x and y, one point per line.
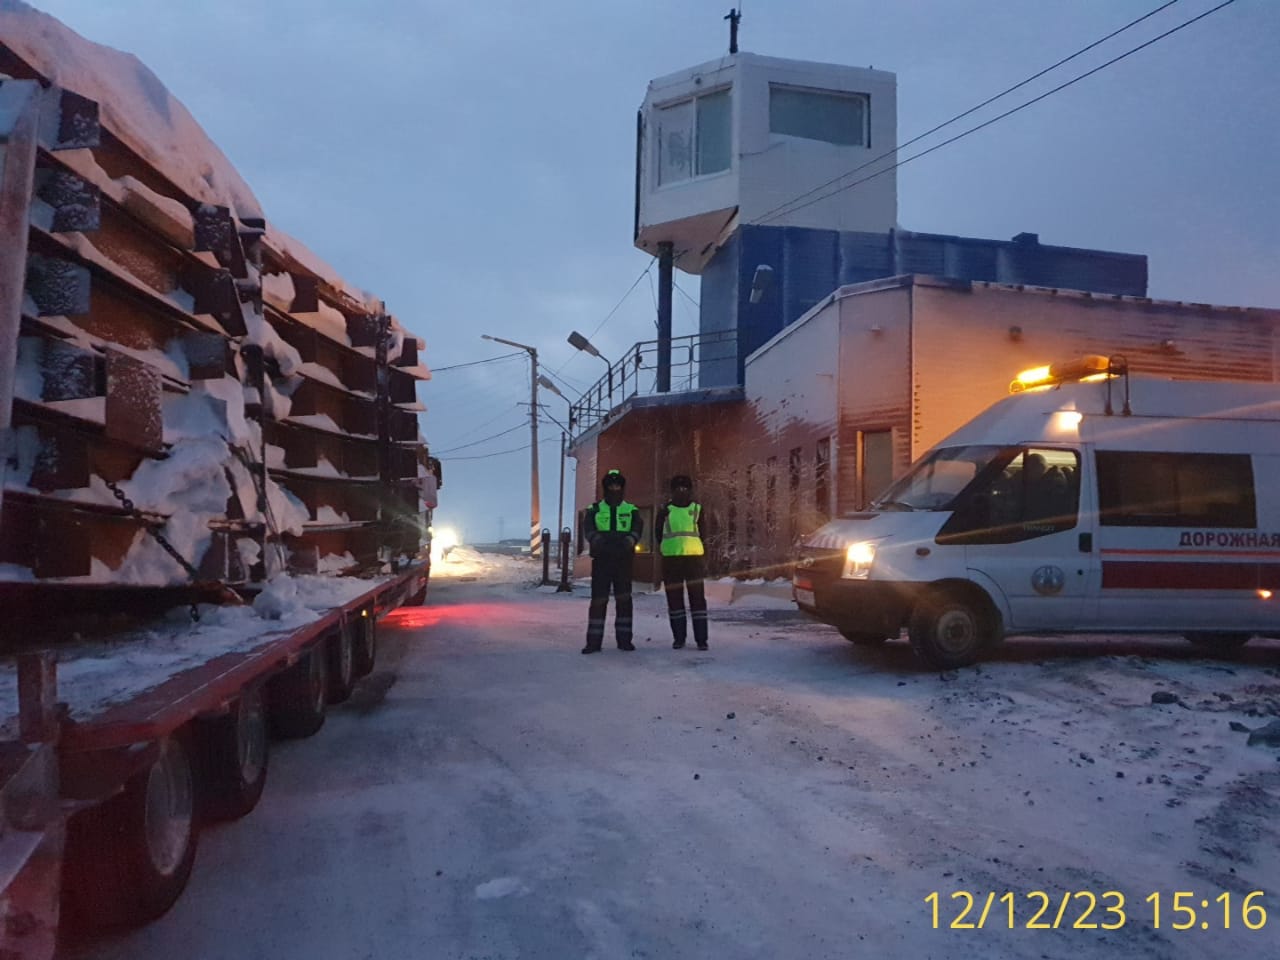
95	674
133	103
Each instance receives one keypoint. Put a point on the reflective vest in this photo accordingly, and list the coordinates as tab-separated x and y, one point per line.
680	531
614	519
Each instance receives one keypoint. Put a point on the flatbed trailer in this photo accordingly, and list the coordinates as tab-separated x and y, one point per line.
109	799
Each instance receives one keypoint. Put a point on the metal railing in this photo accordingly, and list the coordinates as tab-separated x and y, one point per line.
636	374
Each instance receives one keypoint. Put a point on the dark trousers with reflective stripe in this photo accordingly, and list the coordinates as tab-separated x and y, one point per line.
677	574
610	573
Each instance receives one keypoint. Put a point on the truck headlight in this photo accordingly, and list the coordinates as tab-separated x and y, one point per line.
858	558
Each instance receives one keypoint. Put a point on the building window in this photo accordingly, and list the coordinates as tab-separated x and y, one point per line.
839	118
694	137
1176	490
822	478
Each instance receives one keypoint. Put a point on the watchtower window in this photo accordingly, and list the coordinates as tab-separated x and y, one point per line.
694	137
839	118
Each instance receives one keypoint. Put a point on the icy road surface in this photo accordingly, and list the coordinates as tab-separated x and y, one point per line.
491	793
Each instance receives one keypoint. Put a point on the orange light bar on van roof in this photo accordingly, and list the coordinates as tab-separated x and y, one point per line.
1081	368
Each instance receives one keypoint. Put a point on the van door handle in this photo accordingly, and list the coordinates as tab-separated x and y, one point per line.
1086	543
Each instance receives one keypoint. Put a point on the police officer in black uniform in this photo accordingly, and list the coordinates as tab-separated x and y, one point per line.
613	528
681	524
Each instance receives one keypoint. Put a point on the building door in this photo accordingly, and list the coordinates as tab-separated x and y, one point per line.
876	471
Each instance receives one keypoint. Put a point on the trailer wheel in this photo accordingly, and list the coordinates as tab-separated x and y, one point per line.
948	630
863	639
1221	642
235	758
366	644
298	696
128	859
339	648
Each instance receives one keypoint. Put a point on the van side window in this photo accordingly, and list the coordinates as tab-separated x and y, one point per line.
1025	493
1176	490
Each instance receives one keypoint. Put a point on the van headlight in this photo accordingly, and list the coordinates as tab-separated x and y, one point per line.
858	558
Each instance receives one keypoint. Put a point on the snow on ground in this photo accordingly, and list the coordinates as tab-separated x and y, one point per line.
489	792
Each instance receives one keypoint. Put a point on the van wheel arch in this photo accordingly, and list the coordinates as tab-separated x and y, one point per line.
953	623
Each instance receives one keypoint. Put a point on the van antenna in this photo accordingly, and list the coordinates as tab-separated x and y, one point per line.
735	15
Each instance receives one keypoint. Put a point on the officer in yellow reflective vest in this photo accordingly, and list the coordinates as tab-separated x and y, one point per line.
682	551
613	528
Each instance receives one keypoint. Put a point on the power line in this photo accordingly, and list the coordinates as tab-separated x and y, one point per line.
476	363
486	456
474	443
1007	113
785	208
609	315
503	453
695	302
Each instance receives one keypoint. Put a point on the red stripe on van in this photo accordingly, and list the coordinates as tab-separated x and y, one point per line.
1161	575
1113	551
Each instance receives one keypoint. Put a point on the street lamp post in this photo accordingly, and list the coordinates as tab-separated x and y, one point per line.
561	536
535	513
548	385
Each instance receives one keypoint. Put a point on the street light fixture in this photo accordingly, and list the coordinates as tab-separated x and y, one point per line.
535	513
578	341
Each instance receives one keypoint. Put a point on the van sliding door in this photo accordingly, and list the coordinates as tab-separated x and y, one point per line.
1179	541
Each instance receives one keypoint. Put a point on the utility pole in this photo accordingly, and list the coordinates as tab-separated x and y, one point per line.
535	511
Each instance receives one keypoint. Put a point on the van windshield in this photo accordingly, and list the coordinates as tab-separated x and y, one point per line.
934	482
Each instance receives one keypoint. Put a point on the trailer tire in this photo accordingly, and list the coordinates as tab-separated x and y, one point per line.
860	638
298	696
340	649
1221	642
949	630
366	645
128	859
234	755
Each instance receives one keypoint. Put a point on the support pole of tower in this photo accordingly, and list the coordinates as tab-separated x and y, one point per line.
666	261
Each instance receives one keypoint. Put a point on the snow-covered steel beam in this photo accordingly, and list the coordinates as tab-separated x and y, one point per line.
19	117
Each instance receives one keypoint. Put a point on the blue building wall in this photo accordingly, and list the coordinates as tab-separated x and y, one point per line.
809	264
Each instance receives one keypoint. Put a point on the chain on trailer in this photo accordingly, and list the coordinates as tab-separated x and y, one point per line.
153	528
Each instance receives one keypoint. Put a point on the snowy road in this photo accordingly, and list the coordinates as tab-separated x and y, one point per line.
490	793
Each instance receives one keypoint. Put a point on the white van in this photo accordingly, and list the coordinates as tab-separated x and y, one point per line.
1088	501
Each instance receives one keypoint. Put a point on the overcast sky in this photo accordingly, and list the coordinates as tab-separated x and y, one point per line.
471	163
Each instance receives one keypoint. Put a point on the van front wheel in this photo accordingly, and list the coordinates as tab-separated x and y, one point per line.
947	631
